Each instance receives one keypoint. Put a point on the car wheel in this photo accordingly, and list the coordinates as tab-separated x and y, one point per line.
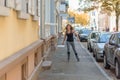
93	53
106	65
90	49
81	40
96	58
117	69
87	46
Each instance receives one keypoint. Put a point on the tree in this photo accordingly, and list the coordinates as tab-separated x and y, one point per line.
110	6
80	18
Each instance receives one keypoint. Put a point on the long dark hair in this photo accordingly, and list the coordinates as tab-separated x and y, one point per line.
71	28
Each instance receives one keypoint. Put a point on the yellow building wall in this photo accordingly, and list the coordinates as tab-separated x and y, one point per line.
16	33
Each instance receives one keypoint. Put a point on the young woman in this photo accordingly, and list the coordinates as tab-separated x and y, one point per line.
69	34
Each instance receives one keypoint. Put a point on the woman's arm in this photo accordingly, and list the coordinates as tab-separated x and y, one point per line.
76	34
64	39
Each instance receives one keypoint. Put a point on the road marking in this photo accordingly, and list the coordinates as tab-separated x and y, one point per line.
60	45
103	72
84	57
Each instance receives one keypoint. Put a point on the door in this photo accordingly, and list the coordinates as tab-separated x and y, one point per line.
112	46
108	47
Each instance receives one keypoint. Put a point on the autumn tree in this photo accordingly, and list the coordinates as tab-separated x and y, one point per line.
80	18
108	6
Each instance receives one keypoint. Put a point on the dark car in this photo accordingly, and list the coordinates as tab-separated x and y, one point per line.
112	53
83	34
91	38
98	45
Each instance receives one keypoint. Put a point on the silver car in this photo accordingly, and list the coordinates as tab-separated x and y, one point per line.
112	53
91	38
98	45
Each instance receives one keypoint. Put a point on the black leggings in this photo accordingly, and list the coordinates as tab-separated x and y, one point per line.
73	47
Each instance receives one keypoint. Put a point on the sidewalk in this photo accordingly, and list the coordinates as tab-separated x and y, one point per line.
86	69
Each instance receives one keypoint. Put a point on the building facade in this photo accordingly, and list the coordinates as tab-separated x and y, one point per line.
23	43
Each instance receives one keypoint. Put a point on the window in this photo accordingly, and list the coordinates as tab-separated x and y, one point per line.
18	5
115	39
2	2
39	6
34	3
112	37
24	71
36	9
93	36
36	59
7	3
25	6
3	77
23	9
118	38
4	11
47	11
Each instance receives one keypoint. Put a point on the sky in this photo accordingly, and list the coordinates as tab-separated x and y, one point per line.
74	4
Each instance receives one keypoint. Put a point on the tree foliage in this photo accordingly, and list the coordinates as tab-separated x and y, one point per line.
108	6
80	18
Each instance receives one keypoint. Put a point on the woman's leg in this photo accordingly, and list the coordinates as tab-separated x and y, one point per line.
68	50
73	47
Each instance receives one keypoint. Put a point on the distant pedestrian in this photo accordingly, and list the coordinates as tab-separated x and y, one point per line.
69	34
107	29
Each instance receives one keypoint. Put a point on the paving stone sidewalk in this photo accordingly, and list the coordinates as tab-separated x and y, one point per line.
86	69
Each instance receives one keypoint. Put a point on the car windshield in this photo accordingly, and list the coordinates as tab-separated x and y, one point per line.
85	31
104	37
94	35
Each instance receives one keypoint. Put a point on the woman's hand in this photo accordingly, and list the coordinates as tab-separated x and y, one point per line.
77	36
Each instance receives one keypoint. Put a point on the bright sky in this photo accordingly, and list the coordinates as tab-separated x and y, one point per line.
74	4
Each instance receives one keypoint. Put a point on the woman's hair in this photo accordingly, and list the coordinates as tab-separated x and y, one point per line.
71	28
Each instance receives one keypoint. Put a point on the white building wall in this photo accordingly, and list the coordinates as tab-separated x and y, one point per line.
112	22
47	11
47	18
119	23
94	19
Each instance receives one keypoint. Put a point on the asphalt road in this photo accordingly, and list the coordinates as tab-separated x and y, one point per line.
109	72
86	69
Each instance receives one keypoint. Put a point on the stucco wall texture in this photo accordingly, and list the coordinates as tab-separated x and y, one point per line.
16	33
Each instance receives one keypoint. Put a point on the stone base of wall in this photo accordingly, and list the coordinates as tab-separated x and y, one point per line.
26	63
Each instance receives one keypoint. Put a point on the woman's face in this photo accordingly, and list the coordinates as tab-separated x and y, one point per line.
68	27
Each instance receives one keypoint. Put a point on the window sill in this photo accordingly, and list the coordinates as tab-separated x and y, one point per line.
23	15
35	18
4	11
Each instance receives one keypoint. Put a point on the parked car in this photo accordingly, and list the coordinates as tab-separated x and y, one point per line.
83	34
91	39
98	45
112	53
